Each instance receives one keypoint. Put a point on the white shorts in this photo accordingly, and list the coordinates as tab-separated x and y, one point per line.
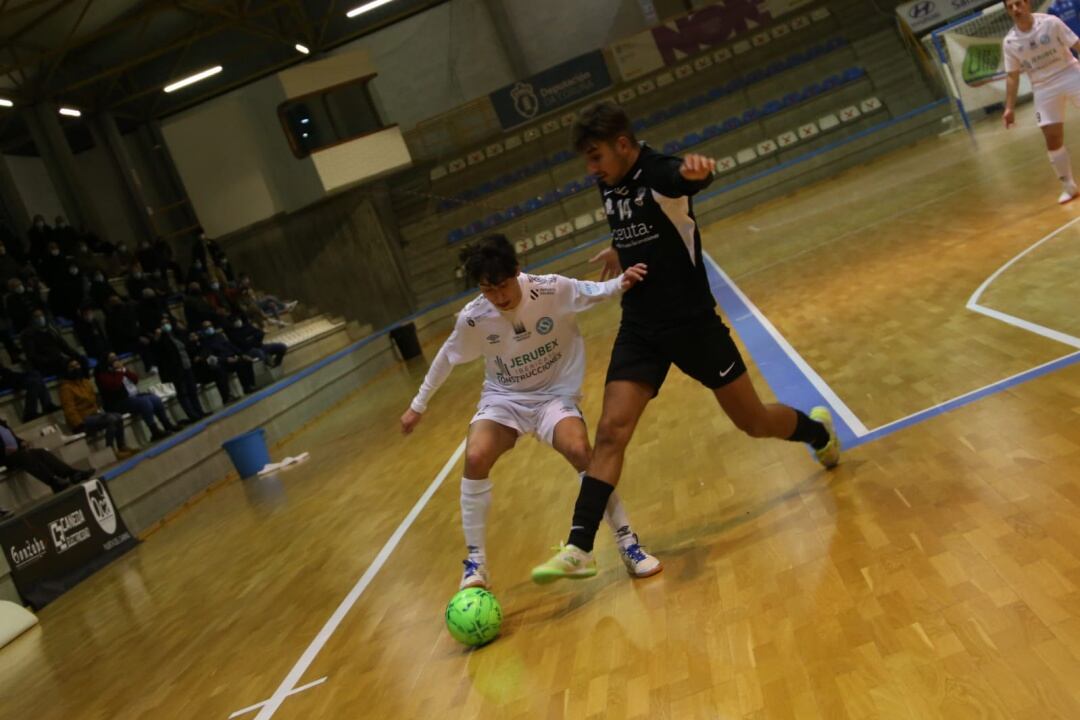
1050	99
534	418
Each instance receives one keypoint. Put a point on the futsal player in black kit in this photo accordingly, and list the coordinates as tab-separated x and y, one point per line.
669	319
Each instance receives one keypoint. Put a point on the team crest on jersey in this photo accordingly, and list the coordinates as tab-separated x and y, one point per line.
545	325
1045	39
640	199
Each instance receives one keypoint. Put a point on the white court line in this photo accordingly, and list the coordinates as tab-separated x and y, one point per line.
256	706
808	372
288	685
973	301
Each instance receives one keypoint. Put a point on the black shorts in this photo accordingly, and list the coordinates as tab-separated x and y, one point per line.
701	347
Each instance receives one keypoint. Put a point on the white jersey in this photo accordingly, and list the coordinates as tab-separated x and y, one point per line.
533	352
1043	52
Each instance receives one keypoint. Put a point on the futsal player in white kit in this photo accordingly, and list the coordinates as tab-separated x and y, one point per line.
524	328
1040	45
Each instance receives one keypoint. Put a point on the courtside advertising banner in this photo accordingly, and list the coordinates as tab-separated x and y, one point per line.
62	541
923	15
978	67
673	41
551	89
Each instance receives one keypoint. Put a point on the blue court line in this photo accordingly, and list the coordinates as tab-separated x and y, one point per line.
193	430
791	385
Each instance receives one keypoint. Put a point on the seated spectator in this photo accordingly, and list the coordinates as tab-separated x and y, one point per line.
221	299
148	257
197	309
197	273
126	331
39	236
45	348
159	281
168	263
91	334
249	340
208	367
119	387
83	414
68	293
269	304
36	399
95	243
101	290
136	281
19	304
41	464
217	342
248	307
52	265
88	262
119	262
65	236
13	244
10	267
175	366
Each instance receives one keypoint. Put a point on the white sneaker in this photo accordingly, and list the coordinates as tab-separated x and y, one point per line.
1068	194
639	563
475	575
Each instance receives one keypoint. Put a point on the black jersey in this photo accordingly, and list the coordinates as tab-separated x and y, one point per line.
652	222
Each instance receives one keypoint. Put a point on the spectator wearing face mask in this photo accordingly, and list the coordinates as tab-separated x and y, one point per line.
39	236
20	303
100	290
249	340
119	262
65	236
45	348
36	399
10	267
136	281
220	297
168	263
83	414
148	257
217	342
91	334
52	265
67	294
119	387
268	304
197	273
197	309
175	365
128	333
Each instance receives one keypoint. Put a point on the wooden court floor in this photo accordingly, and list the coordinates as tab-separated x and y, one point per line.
934	574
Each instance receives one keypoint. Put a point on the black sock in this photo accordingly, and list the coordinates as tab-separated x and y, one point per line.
809	431
592	500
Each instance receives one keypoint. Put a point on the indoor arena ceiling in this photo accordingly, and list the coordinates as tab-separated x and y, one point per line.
117	55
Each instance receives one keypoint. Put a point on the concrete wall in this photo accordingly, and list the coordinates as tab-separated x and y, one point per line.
35	188
100	180
335	255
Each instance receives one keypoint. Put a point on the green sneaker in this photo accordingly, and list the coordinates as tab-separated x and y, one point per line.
829	456
569	562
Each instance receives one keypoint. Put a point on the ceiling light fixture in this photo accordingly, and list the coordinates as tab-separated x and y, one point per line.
366	7
193	79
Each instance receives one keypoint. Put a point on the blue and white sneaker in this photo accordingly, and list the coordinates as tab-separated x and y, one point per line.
475	575
639	563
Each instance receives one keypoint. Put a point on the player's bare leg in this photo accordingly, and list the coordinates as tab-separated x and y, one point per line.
1054	135
740	401
487	442
571	440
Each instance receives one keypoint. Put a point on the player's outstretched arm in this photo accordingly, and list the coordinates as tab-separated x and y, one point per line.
610	259
697	167
580	295
1012	87
461	347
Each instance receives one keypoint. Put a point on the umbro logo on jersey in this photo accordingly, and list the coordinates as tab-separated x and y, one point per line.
470	322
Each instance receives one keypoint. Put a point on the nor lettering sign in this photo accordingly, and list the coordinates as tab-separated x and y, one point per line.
671	42
921	16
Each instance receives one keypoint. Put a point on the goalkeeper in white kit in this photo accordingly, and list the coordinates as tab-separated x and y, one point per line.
524	328
1040	45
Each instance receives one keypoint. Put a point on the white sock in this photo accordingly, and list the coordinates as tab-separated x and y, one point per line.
617	519
1062	166
475	502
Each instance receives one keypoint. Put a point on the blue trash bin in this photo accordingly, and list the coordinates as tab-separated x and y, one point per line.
248	452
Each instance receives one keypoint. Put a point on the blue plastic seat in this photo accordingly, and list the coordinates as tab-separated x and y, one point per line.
732	123
691	139
672	147
711	131
532	204
456	235
716	93
772	106
474	227
749	116
639	125
853	73
790	99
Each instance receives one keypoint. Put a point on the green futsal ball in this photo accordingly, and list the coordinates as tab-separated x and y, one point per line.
473	617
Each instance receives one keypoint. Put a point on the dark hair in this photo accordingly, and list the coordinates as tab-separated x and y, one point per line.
602	122
491	260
